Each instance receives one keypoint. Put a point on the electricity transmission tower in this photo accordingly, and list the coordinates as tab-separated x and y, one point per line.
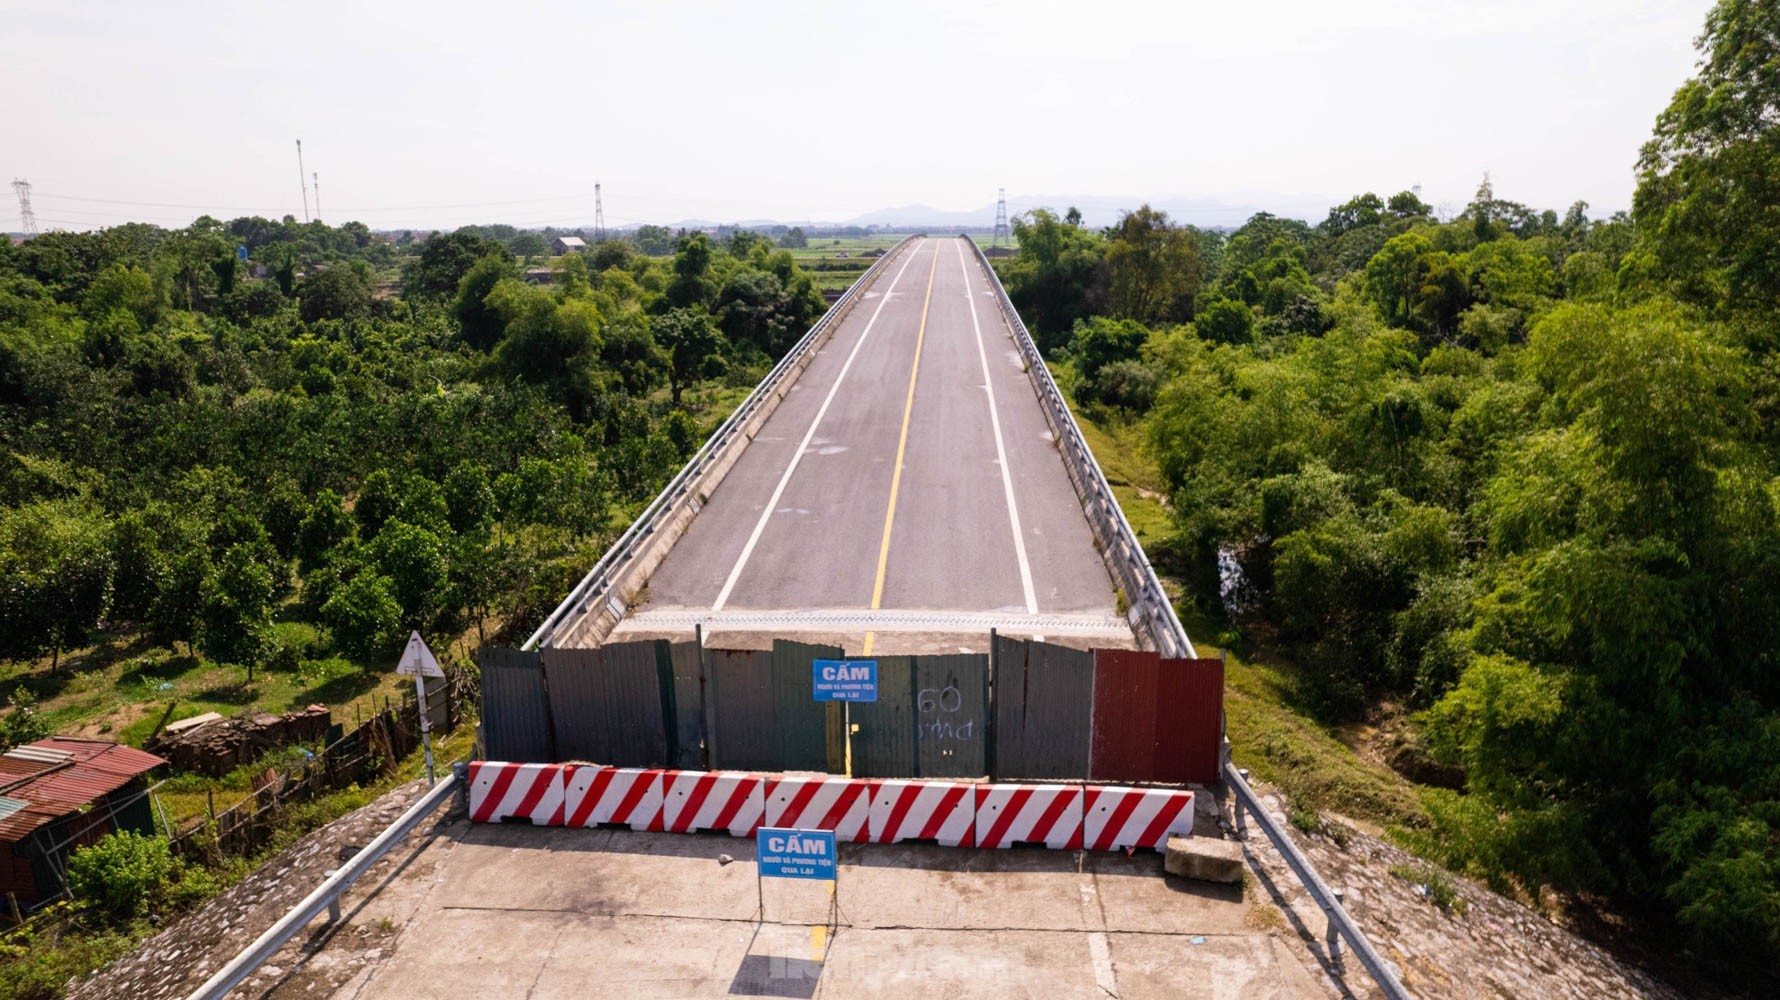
599	215
317	178
302	181
27	218
1001	229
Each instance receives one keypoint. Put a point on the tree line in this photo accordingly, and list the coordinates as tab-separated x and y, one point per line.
1517	469
194	453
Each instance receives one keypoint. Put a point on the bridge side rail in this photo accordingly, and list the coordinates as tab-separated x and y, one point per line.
1153	619
608	587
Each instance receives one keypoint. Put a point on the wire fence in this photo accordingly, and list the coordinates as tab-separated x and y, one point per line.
371	751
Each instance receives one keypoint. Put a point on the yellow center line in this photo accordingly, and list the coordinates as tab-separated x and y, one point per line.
902	443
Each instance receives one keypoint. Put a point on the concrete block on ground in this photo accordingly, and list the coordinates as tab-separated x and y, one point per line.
1204	859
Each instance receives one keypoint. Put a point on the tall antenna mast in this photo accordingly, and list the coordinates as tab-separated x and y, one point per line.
317	178
599	215
302	180
1000	216
27	218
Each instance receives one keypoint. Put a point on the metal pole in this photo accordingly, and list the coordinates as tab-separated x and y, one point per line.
426	728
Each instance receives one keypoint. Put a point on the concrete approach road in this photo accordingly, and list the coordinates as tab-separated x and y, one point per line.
906	493
537	912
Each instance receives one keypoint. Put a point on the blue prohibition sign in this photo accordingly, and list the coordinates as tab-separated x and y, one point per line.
844	680
783	853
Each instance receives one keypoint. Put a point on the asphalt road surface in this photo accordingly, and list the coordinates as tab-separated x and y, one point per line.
819	529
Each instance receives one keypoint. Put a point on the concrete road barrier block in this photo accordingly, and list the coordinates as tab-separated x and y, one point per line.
1204	859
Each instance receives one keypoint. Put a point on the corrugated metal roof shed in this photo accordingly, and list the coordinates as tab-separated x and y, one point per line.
59	775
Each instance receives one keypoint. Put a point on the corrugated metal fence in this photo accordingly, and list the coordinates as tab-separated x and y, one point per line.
1028	711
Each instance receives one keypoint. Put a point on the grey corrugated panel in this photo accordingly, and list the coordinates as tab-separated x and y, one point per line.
800	724
951	715
515	713
632	674
1044	711
689	708
1008	704
577	705
884	746
740	696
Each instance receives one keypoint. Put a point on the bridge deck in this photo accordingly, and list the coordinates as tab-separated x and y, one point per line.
852	552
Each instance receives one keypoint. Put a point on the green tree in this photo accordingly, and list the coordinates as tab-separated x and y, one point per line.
469	498
693	345
336	292
235	617
439	270
365	616
57	564
794	239
1225	321
1055	279
1392	279
480	324
414	561
1153	268
1710	175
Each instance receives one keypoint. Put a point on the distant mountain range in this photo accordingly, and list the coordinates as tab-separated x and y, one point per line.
1103	210
1098	211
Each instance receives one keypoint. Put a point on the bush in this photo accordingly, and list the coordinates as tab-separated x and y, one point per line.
21	725
121	874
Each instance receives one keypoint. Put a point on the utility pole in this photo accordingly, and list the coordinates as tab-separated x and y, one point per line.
599	215
302	180
1001	229
317	178
27	218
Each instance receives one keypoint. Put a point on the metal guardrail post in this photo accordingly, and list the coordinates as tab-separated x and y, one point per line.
1341	925
325	897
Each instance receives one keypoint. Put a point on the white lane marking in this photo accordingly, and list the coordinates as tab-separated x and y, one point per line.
797	456
1007	480
1100	950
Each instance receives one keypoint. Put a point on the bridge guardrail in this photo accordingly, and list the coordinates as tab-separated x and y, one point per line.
645	543
1132	571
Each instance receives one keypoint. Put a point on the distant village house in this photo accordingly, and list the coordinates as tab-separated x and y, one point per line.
568	244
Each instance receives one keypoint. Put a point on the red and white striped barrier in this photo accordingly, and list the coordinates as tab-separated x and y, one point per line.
628	795
1118	818
710	800
526	791
838	804
1010	814
941	811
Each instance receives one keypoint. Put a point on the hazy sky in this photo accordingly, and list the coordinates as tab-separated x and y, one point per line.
430	113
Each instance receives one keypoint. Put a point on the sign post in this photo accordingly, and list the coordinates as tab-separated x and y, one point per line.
783	852
418	660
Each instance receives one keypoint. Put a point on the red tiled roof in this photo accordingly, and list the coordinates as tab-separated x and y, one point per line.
89	770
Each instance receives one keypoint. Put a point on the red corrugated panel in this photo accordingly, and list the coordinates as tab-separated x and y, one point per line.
94	768
1124	747
1189	721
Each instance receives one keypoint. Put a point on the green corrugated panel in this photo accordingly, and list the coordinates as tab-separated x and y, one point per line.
952	715
800	725
884	746
739	693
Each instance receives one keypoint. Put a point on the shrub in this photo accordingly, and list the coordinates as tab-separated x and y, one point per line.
120	875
